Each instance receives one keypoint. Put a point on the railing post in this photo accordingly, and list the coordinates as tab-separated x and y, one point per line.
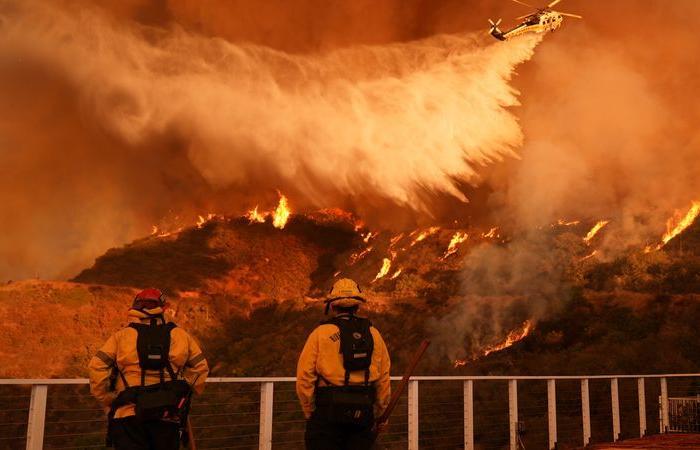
552	413
37	417
267	390
664	406
642	407
413	415
615	400
469	415
586	412
513	413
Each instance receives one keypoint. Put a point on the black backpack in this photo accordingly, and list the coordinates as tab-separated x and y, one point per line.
165	400
348	404
356	344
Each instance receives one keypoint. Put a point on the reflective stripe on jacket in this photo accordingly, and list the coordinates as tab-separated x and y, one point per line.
186	358
321	356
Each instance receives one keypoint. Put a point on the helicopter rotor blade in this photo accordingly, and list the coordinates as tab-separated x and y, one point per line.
524	4
570	15
523	17
553	3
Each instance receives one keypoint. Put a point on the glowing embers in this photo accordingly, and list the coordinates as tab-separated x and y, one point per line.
396	274
254	216
594	231
514	336
491	234
358	256
589	256
676	225
423	235
280	215
457	238
567	223
203	220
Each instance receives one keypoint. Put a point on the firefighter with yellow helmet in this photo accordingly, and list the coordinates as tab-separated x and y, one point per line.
343	375
144	375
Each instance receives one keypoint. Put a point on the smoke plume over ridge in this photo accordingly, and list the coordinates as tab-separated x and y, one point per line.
112	119
387	121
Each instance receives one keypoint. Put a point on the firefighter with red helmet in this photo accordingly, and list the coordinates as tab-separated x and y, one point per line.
343	375
144	375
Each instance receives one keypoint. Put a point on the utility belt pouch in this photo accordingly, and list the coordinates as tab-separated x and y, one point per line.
165	401
346	405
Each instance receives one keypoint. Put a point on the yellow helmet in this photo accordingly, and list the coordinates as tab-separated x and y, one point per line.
345	293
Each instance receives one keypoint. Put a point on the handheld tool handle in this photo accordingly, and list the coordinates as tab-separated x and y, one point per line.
404	383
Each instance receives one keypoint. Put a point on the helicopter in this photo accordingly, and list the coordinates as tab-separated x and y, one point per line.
545	19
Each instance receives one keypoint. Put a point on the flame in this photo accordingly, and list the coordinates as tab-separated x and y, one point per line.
201	220
369	236
595	252
513	337
424	234
396	274
254	216
395	240
457	239
358	256
492	233
673	230
676	225
161	234
596	228
565	223
281	213
386	266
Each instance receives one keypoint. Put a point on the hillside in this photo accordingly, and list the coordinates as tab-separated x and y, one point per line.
252	292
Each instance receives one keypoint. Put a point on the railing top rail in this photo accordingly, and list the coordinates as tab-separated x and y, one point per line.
58	381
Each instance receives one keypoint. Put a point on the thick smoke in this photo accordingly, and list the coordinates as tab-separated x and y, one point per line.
610	133
112	119
390	121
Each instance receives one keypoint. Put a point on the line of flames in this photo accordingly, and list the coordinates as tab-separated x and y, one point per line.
514	336
423	235
457	239
676	225
596	228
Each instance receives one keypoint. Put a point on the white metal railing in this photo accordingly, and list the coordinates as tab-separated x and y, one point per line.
684	414
39	394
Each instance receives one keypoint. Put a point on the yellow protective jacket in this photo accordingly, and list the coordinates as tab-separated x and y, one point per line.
322	356
119	353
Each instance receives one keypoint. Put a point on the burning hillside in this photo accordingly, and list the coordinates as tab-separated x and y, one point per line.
475	189
251	261
236	278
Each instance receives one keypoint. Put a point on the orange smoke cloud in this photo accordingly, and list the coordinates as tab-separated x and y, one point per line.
203	117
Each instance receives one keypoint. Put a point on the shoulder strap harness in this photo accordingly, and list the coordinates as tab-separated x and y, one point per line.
356	344
153	347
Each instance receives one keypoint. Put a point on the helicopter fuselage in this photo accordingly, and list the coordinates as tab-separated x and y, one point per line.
539	22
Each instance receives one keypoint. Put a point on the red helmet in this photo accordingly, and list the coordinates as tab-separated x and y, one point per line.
148	299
